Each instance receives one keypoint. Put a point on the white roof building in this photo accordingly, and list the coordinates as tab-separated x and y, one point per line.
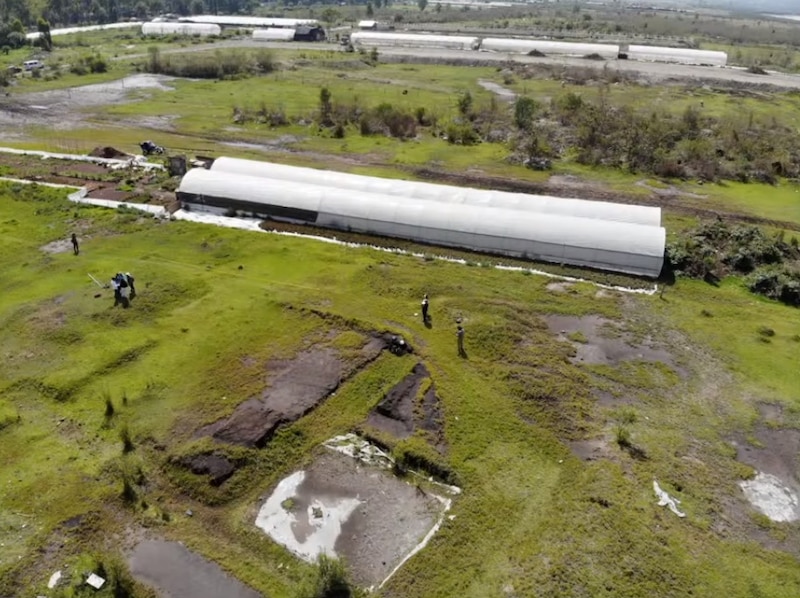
616	246
464	196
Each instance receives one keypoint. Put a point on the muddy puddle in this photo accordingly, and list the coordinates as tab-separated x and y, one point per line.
775	489
599	341
349	504
176	572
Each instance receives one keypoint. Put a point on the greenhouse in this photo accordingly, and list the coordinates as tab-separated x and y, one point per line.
412	40
548	48
616	246
244	21
172	28
675	55
273	34
557	206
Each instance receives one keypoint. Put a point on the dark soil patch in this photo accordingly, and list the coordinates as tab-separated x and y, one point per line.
402	411
217	467
109	193
297	387
108	152
595	348
176	572
590	450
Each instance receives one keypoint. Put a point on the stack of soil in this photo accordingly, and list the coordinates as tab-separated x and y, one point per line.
108	152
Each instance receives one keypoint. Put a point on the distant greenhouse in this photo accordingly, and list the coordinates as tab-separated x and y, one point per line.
549	48
412	40
173	28
556	206
273	34
674	55
244	21
616	246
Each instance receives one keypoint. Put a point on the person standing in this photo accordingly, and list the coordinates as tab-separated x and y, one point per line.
129	280
460	339
117	293
425	308
75	248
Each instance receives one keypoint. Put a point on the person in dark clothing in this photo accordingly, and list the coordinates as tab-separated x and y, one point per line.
75	248
129	280
460	339
425	308
117	291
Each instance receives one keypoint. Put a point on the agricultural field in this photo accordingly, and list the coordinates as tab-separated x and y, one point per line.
252	407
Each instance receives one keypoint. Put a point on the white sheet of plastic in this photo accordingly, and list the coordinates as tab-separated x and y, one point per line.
548	47
414	40
95	581
560	206
665	499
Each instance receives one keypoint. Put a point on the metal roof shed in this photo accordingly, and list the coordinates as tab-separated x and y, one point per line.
605	245
557	206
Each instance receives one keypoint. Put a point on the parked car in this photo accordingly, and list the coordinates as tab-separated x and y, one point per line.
32	65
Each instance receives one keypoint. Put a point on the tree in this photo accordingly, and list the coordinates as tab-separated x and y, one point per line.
330	16
197	7
44	28
524	110
438	7
465	103
325	107
370	11
422	4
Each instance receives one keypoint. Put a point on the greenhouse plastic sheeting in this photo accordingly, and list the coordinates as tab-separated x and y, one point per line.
411	40
547	47
606	245
557	206
676	55
274	34
167	28
245	21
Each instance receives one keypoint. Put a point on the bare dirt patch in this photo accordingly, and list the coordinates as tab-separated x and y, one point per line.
176	572
58	246
297	387
501	92
559	287
217	467
403	411
595	348
354	510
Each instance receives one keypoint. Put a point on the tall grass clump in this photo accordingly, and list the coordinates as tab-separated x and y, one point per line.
330	581
220	64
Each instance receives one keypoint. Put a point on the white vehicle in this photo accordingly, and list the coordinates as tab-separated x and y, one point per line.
32	65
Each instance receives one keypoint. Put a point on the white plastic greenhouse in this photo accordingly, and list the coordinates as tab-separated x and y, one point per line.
71	30
244	21
412	40
172	28
548	48
273	34
557	206
675	55
615	246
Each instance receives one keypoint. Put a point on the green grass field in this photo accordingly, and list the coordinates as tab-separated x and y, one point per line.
214	308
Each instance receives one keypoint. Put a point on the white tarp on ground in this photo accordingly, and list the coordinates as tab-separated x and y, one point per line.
770	495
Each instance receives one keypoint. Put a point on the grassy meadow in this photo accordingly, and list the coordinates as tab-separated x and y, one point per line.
216	305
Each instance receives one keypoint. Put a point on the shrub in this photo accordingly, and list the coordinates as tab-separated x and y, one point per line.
462	134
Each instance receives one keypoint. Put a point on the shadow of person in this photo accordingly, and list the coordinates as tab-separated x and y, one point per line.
463	354
428	322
